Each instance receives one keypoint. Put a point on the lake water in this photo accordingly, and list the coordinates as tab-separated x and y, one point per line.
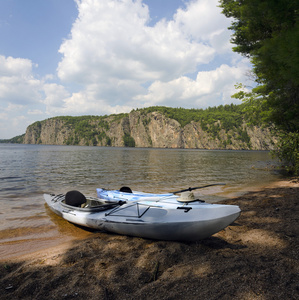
28	171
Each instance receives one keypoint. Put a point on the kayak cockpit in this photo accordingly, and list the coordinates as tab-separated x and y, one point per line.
92	205
75	200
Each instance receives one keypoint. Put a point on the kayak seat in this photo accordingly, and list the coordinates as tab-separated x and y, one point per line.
125	189
75	198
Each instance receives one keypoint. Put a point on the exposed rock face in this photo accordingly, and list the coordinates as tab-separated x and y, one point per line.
147	130
155	130
51	131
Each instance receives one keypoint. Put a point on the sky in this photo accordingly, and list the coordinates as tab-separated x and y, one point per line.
101	57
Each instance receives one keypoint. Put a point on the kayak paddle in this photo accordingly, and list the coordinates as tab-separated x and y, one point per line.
199	187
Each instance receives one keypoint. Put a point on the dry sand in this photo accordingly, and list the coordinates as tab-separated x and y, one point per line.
254	258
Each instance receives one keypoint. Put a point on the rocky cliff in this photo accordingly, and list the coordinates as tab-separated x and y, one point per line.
147	129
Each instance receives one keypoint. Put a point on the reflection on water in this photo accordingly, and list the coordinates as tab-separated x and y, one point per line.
28	171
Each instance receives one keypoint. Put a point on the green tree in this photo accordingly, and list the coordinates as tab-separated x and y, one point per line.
128	140
267	31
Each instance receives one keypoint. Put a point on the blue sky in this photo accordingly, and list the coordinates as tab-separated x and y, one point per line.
90	57
35	29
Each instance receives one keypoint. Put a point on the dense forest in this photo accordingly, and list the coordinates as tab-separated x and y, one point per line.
267	31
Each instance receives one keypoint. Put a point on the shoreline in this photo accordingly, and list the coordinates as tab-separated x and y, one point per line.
254	258
74	233
60	232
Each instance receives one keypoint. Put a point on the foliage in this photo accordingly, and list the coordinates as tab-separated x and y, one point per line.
229	115
288	151
255	107
128	140
267	31
117	117
15	140
37	125
90	128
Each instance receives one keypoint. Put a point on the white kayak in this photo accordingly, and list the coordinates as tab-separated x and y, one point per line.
125	193
149	217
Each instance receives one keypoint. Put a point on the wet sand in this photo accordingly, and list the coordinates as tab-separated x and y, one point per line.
254	258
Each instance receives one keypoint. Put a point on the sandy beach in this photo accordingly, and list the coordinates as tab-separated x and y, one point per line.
254	258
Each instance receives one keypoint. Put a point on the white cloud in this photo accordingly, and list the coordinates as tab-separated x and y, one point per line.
208	89
202	20
13	107
10	66
111	40
113	54
20	94
17	84
35	112
54	94
84	102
